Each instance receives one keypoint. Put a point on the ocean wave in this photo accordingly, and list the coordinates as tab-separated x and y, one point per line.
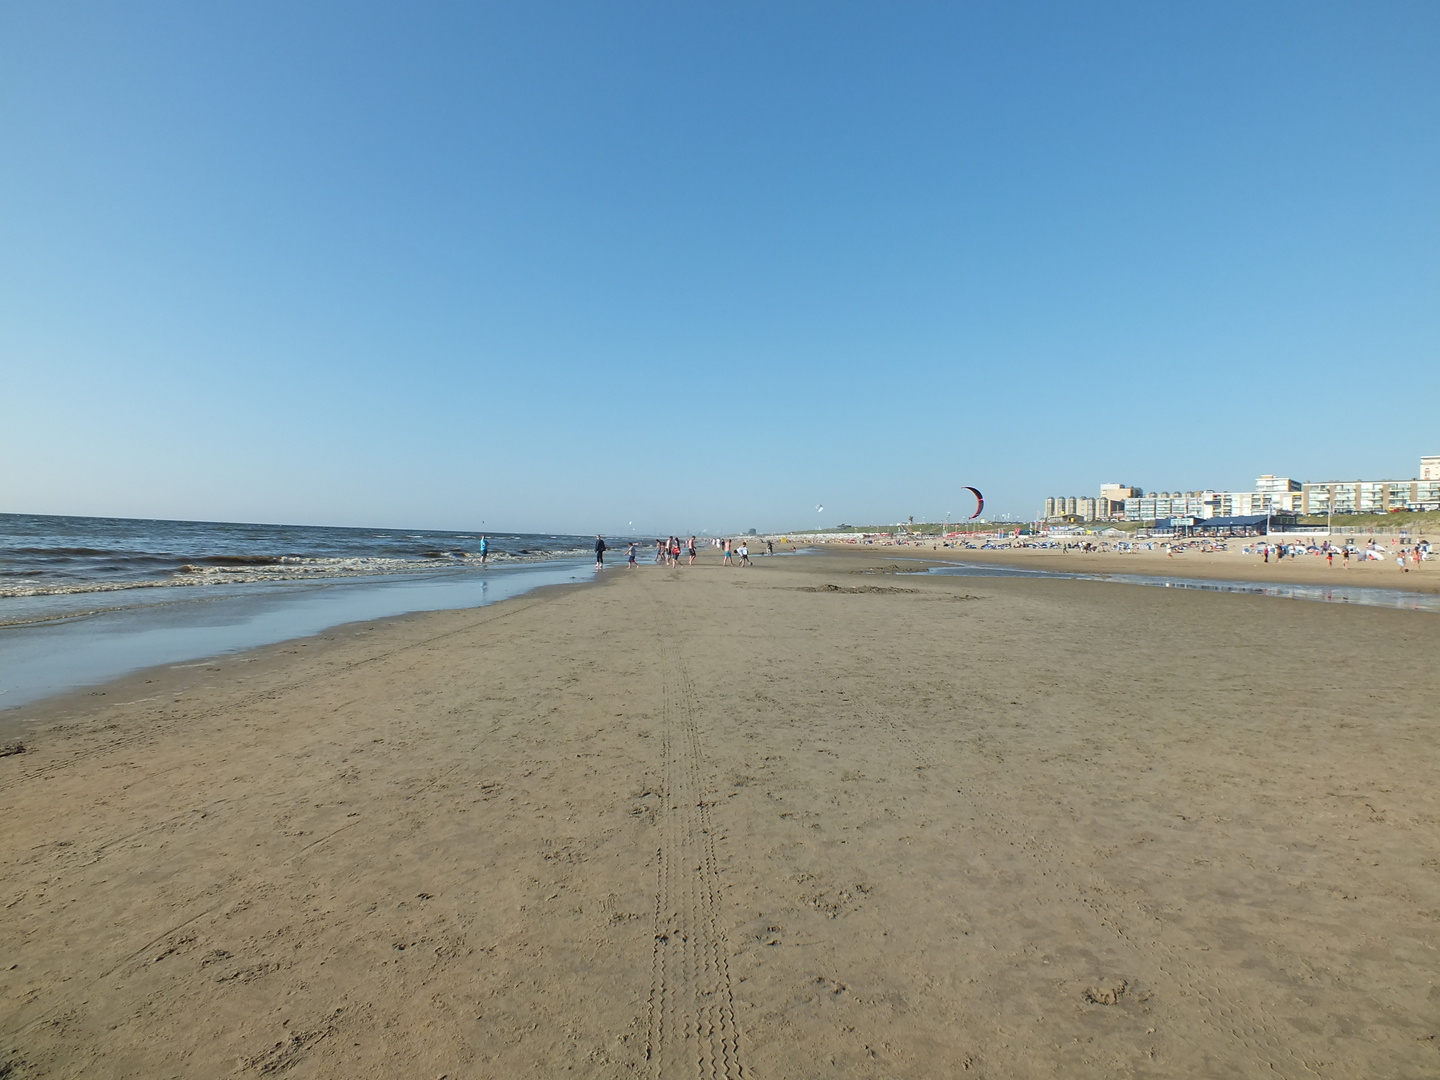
247	560
74	552
233	570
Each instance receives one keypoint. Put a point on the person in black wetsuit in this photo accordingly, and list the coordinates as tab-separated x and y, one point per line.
599	552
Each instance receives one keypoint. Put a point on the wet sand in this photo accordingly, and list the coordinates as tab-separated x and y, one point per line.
803	819
1232	565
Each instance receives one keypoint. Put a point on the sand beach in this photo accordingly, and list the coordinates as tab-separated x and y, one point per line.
816	817
1234	563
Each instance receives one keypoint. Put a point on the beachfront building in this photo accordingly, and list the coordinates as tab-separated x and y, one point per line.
1164	505
1069	507
1370	496
1243	525
1226	504
1278	493
1111	503
1273	496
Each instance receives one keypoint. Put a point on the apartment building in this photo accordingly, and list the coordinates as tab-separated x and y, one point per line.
1272	495
1370	496
1112	499
1234	504
1166	504
1070	506
1278	493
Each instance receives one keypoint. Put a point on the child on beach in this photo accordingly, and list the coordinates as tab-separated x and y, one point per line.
630	555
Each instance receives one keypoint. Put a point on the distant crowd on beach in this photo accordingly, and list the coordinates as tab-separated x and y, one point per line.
674	550
1405	556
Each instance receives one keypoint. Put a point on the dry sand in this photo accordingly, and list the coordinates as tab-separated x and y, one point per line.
800	820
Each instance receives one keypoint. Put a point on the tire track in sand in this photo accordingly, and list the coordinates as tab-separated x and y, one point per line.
692	1030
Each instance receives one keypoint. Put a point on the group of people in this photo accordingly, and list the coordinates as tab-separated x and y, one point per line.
740	549
1371	551
671	551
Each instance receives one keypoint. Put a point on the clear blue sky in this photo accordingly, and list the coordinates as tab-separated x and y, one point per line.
566	266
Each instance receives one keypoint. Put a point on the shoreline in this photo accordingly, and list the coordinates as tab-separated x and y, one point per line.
88	648
1101	567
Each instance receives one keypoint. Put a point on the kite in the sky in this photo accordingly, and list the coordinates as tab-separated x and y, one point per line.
818	508
979	502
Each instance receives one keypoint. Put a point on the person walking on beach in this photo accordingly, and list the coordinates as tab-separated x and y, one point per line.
599	552
690	550
484	549
726	548
744	554
630	556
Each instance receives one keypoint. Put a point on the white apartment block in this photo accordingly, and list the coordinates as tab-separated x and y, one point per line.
1272	495
1370	496
1278	493
1163	505
1235	504
1376	496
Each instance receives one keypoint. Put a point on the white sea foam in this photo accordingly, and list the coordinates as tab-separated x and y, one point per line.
285	568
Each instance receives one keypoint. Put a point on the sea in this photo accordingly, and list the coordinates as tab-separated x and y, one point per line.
84	600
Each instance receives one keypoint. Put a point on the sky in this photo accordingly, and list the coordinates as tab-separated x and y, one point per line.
683	267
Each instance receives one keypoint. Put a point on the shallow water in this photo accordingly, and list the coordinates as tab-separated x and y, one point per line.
1364	596
46	560
96	644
